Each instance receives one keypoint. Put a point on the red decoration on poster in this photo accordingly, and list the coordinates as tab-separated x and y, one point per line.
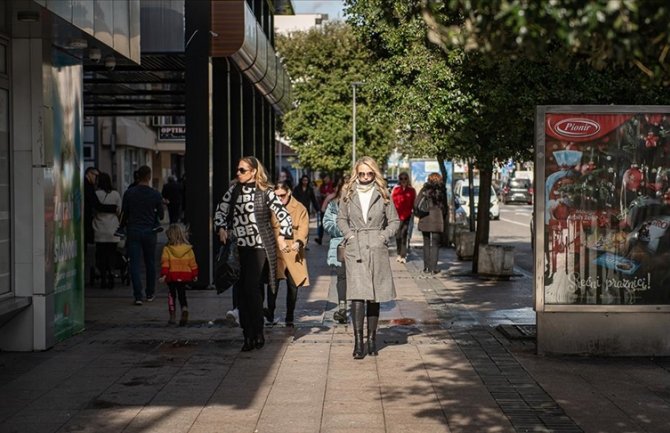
650	140
632	178
583	127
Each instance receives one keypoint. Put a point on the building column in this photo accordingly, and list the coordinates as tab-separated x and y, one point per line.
198	161
248	119
222	163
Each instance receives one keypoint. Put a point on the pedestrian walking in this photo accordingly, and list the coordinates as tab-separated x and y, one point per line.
340	281
172	195
327	187
291	262
431	223
244	211
403	196
105	225
142	211
367	219
178	269
304	193
91	206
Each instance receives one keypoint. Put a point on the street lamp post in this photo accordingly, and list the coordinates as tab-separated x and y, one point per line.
353	146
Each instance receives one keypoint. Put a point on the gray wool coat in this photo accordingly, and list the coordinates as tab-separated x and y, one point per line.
369	274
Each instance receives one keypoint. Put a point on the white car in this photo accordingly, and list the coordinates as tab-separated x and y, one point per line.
462	194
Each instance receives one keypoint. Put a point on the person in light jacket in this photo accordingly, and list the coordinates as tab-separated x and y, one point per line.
432	224
339	292
291	263
367	219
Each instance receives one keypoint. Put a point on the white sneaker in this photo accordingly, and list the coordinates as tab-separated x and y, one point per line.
402	260
233	315
398	259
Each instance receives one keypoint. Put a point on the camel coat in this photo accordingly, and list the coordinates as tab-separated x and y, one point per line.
369	274
294	261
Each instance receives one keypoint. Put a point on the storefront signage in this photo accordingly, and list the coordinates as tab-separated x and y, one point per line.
172	133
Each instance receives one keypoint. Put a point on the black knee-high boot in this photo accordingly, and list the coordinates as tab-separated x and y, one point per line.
373	320
357	317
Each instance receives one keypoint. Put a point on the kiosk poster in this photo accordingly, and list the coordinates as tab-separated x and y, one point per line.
68	219
607	208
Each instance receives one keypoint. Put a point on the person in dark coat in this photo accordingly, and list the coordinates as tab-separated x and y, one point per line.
172	194
431	225
245	211
304	193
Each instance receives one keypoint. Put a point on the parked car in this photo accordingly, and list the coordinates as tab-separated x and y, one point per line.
520	190
462	194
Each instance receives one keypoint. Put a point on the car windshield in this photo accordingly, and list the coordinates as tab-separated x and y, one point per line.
465	191
519	183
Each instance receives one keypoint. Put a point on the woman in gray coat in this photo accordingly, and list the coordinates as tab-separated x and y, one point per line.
367	219
431	224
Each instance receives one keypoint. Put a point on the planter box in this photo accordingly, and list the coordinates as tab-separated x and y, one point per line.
465	245
496	261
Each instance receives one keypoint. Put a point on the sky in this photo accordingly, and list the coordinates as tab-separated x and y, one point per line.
334	8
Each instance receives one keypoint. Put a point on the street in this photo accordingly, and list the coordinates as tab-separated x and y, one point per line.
513	228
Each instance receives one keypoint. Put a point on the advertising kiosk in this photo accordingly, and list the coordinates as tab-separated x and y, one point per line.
602	244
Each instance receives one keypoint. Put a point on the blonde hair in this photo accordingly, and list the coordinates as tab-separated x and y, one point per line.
380	182
177	234
261	177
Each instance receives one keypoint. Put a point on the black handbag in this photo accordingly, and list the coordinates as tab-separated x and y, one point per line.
227	266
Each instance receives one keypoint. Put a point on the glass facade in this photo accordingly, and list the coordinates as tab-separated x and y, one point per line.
5	179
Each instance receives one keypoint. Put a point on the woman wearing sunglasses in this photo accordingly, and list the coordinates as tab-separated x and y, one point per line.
244	212
367	219
292	264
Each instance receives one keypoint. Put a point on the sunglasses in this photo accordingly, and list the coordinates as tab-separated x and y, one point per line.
404	178
282	196
242	170
362	174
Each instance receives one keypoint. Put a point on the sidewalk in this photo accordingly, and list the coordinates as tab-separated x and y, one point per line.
443	366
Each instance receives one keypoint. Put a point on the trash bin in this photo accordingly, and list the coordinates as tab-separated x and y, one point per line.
465	245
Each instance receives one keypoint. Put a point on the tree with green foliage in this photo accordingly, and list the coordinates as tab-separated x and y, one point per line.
602	32
323	63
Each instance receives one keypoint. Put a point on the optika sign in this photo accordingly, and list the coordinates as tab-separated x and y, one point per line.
577	128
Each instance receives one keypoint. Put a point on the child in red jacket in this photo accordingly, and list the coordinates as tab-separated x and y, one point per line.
178	268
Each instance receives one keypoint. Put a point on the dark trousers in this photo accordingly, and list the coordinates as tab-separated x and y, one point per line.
401	238
431	249
174	212
105	256
291	297
254	266
319	225
141	245
341	284
176	290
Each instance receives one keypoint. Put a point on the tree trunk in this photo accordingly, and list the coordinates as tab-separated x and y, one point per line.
483	220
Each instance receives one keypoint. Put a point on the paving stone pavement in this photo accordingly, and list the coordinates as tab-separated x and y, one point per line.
444	366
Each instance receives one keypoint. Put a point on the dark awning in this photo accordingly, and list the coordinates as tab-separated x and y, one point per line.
154	88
